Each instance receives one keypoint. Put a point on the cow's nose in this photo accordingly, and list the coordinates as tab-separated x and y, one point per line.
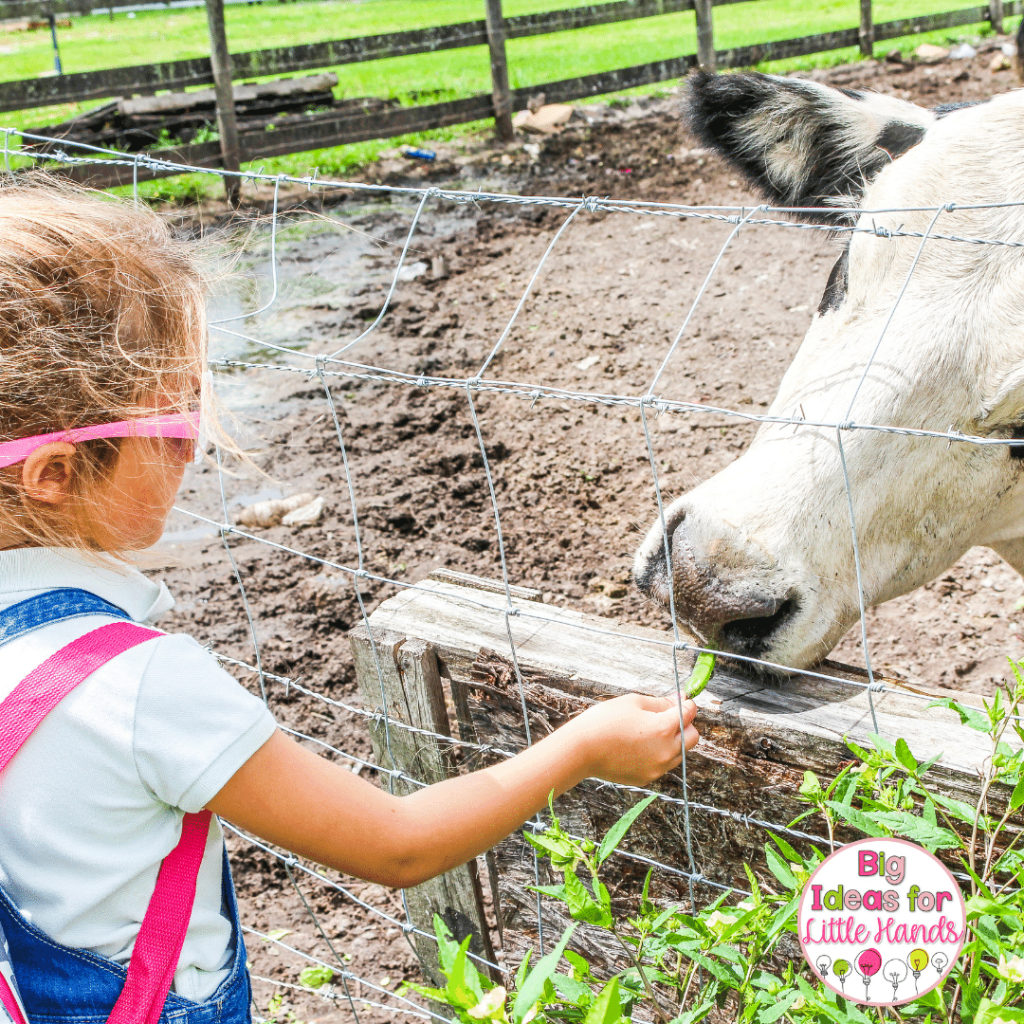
722	587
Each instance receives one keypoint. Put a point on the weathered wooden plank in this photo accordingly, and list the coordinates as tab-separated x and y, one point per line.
757	740
930	22
43	8
401	676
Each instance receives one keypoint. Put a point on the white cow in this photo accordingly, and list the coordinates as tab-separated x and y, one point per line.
761	554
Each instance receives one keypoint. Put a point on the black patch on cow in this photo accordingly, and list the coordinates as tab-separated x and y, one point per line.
722	112
1017	450
947	108
838	283
898	136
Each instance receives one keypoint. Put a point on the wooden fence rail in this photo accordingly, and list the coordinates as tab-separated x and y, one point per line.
335	128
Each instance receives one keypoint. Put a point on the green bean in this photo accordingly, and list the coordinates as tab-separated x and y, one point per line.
703	669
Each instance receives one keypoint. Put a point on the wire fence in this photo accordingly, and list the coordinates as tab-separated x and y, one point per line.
348	991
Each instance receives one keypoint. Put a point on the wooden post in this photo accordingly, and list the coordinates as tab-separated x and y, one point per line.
220	61
995	15
867	30
705	34
499	71
413	695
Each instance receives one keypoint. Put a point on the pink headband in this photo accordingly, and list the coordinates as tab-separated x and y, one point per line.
183	425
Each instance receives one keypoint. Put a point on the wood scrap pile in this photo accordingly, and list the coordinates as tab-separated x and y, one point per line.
142	122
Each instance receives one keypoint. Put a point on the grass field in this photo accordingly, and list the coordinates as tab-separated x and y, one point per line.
96	42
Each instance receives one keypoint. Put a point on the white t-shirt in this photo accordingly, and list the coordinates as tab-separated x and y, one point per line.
93	801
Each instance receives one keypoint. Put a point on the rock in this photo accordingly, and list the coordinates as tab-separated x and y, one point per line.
438	268
614	590
411	271
1009	49
963	52
532	150
535	103
272	512
999	62
305	515
586	364
894	57
930	54
546	120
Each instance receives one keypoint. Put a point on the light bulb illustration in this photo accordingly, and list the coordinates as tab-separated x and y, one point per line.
939	961
823	963
841	968
917	961
894	972
868	963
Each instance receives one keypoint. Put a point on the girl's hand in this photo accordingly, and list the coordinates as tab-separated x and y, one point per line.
633	739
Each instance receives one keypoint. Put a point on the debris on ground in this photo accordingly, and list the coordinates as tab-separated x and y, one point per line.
275	511
928	53
544	120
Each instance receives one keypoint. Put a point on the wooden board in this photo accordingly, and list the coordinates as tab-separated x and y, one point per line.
758	738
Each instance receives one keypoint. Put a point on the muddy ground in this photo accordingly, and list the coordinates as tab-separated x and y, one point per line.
573	481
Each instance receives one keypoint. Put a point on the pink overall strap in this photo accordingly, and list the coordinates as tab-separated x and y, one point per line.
158	945
162	934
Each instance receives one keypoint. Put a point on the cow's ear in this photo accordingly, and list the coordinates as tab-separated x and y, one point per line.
801	143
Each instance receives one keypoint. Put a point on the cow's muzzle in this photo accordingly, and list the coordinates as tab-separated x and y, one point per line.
725	589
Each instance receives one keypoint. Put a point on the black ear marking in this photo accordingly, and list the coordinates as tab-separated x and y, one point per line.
1017	450
838	283
800	143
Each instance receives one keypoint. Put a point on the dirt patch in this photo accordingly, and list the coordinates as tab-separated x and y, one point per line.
572	480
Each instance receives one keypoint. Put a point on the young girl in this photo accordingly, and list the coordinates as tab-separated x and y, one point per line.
102	343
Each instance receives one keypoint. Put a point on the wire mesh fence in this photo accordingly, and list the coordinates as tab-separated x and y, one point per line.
252	351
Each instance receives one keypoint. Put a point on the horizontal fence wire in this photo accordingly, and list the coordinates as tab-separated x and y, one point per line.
324	367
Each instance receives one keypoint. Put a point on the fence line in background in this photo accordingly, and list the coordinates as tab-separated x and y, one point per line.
299	133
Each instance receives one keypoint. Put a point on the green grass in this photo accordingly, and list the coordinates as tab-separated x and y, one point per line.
95	42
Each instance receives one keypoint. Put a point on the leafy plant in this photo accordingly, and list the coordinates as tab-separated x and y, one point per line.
679	966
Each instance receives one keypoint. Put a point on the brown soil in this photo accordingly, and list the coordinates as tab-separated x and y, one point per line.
572	479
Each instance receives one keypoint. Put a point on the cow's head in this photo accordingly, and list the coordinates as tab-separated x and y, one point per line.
762	559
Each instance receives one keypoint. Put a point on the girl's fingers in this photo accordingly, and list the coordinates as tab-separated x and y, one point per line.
688	707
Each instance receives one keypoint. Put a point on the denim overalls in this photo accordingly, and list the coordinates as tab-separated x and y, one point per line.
60	985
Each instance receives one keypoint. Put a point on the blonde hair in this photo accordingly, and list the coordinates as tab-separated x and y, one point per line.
101	310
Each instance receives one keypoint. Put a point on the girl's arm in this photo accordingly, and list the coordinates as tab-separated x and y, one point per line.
296	799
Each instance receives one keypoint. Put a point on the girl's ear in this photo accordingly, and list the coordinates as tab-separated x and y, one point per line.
47	472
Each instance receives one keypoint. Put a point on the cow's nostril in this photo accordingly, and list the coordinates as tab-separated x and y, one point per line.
750	636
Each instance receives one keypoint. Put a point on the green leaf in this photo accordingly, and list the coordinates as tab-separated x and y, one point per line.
533	985
582	905
990	1013
316	976
958	809
787	851
551	845
857	819
779	868
986	905
783	1002
572	990
580	966
904	756
917	829
614	835
1017	797
447	947
968	716
464	988
607	1008
524	966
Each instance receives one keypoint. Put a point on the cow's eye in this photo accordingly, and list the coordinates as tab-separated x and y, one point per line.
1017	451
